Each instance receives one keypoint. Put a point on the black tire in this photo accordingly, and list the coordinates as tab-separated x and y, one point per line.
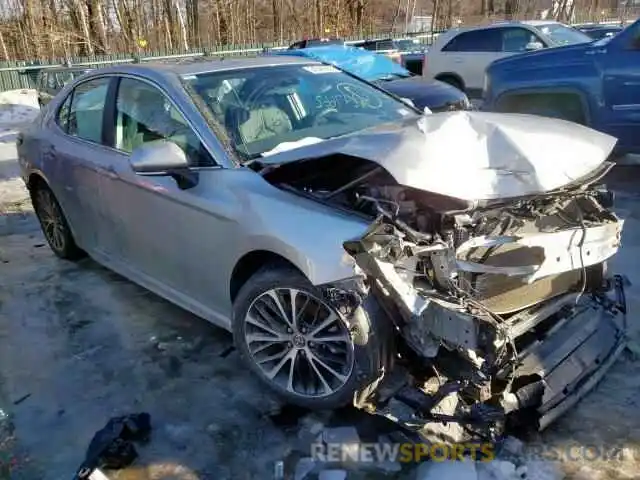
453	81
370	333
61	241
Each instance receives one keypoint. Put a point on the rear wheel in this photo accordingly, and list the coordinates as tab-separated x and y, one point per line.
54	224
298	344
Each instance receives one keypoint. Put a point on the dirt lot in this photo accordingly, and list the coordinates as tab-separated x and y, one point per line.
79	344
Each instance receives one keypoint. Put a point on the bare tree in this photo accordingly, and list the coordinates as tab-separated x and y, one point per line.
64	28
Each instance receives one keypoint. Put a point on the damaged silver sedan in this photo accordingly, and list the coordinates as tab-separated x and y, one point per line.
445	271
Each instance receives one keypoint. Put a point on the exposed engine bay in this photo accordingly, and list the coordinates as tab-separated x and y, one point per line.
505	312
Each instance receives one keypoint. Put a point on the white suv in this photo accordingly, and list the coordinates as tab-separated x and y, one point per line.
460	56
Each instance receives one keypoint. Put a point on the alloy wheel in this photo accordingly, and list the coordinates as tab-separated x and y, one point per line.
51	220
299	342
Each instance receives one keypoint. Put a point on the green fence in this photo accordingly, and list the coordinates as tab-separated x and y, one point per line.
18	75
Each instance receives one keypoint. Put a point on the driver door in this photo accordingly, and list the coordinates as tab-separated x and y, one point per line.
161	235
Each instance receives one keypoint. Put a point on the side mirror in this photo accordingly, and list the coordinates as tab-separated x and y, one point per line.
163	158
533	46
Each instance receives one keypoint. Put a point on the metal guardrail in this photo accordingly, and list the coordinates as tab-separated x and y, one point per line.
20	75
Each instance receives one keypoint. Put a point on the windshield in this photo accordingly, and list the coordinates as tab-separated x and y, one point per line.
262	108
563	35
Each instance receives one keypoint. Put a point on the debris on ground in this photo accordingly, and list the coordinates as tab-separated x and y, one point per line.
458	470
111	447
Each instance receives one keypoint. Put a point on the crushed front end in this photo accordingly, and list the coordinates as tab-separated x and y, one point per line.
506	314
487	251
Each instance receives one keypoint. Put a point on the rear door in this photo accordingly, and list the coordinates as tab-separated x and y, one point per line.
468	54
75	157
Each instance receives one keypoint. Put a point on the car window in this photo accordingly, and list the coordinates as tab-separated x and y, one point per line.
563	35
635	36
62	118
516	39
488	40
324	42
384	45
406	45
145	114
87	109
367	46
275	105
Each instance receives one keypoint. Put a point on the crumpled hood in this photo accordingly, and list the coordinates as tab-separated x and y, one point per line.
473	156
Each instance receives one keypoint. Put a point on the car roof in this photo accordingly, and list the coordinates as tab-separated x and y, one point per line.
537	23
502	24
447	35
192	66
600	27
312	52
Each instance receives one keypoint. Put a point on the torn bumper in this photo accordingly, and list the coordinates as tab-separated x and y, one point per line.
576	353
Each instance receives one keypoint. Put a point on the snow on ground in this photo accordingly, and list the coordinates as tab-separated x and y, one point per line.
18	107
79	344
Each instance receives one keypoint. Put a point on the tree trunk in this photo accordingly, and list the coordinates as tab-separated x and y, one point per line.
183	28
3	46
96	24
274	13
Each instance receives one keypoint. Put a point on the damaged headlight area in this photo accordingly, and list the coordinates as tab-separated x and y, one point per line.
504	313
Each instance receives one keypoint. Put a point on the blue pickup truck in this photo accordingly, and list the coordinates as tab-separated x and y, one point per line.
596	84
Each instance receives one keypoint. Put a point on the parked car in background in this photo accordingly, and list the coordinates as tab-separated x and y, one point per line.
314	42
384	72
460	56
50	81
596	84
406	51
358	250
596	31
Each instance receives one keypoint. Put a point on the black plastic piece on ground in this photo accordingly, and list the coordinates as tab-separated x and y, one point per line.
111	447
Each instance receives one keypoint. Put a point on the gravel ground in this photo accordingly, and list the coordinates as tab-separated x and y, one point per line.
79	344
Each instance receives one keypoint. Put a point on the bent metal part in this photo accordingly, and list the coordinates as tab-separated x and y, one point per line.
503	310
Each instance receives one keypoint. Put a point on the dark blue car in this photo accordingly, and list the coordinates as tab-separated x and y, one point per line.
389	75
596	84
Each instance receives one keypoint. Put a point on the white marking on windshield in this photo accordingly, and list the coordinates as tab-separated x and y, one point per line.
319	69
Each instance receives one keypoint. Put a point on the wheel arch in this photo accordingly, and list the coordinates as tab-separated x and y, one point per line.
548	92
37	178
443	75
250	263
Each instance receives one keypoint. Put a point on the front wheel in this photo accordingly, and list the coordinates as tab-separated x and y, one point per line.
300	347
